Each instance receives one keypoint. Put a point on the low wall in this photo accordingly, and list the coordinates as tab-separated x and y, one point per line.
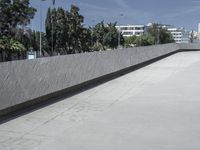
190	46
27	80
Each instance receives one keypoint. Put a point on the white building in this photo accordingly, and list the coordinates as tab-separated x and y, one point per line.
131	30
197	34
180	35
199	28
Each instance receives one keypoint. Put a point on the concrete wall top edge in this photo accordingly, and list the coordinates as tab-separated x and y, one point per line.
100	52
181	46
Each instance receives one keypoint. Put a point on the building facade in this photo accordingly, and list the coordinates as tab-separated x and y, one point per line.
180	35
198	27
131	30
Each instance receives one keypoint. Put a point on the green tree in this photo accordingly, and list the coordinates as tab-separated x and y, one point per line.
106	36
50	26
8	47
98	36
76	28
110	38
160	35
69	34
85	39
13	14
130	41
143	40
24	36
62	29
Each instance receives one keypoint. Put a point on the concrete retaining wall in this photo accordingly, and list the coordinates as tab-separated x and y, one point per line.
190	46
26	80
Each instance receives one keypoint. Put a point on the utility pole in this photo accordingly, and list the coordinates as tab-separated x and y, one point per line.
92	38
52	31
41	27
158	42
119	31
119	38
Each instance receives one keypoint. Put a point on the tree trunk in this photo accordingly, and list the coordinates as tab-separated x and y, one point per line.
9	56
3	56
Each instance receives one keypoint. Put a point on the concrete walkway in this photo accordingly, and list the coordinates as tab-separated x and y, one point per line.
154	108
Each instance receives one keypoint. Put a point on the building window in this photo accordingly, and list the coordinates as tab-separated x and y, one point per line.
128	33
124	28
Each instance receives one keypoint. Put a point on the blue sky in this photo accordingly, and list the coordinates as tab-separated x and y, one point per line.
181	13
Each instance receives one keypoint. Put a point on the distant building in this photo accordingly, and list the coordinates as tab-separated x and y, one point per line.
131	30
199	28
180	35
194	35
197	34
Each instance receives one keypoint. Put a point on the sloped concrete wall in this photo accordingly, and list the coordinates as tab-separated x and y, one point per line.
190	46
22	81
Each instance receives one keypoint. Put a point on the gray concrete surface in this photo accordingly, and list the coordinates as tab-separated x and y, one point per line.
188	46
153	108
22	81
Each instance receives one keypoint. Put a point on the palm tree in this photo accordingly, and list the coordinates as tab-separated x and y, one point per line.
8	47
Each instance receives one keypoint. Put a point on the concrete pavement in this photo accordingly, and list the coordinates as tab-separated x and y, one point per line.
154	108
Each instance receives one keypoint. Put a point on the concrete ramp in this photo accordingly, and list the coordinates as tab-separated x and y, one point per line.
154	108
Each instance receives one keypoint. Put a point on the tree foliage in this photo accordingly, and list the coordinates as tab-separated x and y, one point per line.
14	14
155	35
65	32
9	46
160	35
106	36
143	40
